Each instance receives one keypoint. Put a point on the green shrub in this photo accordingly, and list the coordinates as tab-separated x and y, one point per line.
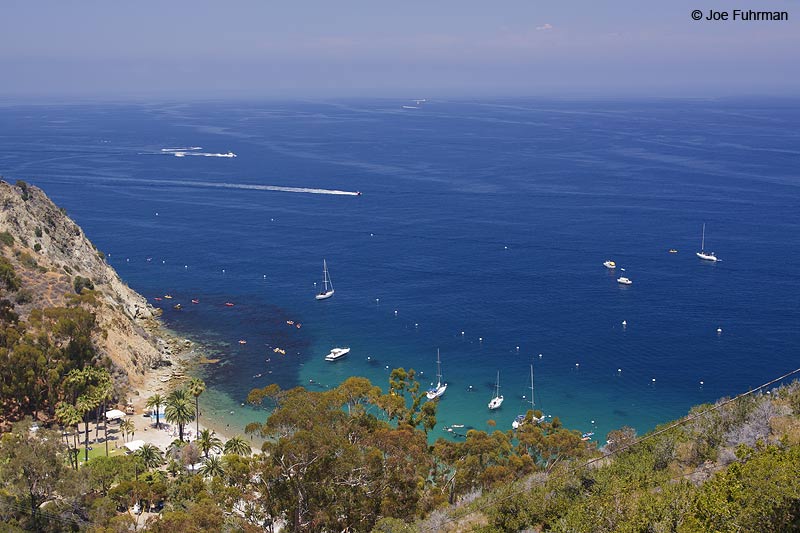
37	247
27	259
24	188
7	275
23	296
79	283
38	232
6	238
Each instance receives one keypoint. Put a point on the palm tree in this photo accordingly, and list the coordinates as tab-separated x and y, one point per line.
150	456
174	467
237	446
101	392
212	467
68	416
126	427
207	442
155	402
84	405
196	387
178	410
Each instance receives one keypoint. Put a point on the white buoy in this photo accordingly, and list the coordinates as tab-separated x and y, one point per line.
462	333
619	371
163	261
517	348
719	330
480	339
371	234
377	300
654	380
701	383
223	270
264	276
540	356
272	220
624	323
505	247
156	213
185	266
577	365
416	325
127	260
395	312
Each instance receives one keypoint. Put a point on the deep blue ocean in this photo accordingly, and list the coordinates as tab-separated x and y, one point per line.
481	231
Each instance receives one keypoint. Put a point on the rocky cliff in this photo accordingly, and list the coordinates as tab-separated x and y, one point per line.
52	258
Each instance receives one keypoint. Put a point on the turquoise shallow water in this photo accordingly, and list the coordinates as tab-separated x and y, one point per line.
492	218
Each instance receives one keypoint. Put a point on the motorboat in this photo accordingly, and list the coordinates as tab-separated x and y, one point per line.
622	280
337	353
610	264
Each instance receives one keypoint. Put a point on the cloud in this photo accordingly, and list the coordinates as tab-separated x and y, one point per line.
545	27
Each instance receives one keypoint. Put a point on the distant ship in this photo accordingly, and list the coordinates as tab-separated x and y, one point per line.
610	264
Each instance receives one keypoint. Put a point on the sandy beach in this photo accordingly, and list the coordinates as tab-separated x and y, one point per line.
185	356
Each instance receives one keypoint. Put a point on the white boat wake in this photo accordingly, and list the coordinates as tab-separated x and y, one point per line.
192	150
240	186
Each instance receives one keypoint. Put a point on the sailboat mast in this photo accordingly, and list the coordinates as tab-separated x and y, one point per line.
438	367
532	400
703	241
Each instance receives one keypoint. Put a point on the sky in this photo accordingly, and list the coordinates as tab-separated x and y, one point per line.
440	48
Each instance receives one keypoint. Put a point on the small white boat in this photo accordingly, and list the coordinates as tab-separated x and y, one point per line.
702	254
497	401
326	283
337	353
610	264
440	388
624	281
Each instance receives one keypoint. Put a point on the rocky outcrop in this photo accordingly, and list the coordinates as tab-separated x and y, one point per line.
52	255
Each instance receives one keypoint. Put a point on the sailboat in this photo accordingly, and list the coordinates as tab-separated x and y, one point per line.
326	282
440	387
497	401
702	254
521	419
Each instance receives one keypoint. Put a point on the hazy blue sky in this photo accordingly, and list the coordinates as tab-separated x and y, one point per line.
377	48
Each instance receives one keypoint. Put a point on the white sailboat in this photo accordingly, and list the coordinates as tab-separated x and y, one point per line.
702	254
522	419
440	387
497	401
326	283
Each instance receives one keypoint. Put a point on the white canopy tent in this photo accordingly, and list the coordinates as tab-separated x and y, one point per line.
114	414
134	445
